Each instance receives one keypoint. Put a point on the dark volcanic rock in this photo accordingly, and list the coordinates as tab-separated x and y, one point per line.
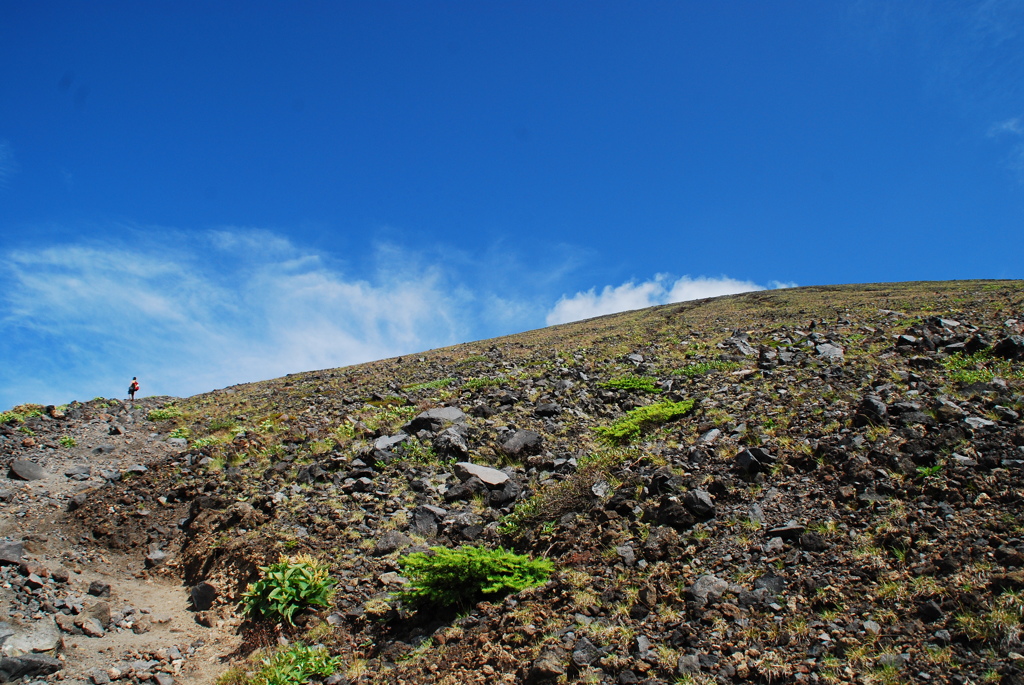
523	443
10	553
1010	348
433	419
699	503
754	460
28	666
203	596
872	411
23	469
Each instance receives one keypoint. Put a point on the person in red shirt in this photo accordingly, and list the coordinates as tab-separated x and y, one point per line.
133	388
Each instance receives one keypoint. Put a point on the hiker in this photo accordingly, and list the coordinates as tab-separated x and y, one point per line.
133	388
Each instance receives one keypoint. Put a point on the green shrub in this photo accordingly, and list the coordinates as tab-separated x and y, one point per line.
640	419
11	417
205	442
633	382
448	577
287	587
164	414
180	433
66	441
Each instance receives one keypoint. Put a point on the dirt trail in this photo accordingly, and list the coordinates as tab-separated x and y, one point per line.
148	631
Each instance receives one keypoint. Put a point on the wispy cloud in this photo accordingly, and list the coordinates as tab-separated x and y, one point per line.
1009	126
191	314
659	290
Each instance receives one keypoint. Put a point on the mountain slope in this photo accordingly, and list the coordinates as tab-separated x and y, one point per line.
816	484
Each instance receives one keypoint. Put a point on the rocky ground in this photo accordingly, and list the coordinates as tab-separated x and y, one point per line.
841	503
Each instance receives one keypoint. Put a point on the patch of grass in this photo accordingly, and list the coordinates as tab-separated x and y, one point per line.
450	577
477	383
11	417
206	442
295	664
980	367
66	441
701	368
165	414
180	433
221	425
633	382
640	419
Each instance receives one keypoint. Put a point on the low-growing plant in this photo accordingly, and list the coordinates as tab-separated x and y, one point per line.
164	414
11	417
66	441
477	383
221	424
205	442
633	382
640	419
294	664
462	576
701	368
287	587
180	432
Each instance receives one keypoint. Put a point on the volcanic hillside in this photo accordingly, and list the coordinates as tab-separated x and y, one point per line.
819	485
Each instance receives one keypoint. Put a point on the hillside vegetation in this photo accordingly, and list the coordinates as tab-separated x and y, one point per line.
815	485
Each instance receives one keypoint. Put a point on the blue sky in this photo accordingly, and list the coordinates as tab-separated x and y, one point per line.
202	194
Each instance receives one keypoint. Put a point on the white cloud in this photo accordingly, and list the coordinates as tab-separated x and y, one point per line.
188	315
659	290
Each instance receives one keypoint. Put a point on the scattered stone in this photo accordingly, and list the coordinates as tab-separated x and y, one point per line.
707	587
551	663
23	469
699	503
465	470
753	461
830	352
523	443
790	531
28	666
203	596
98	588
10	553
584	653
1010	348
391	541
